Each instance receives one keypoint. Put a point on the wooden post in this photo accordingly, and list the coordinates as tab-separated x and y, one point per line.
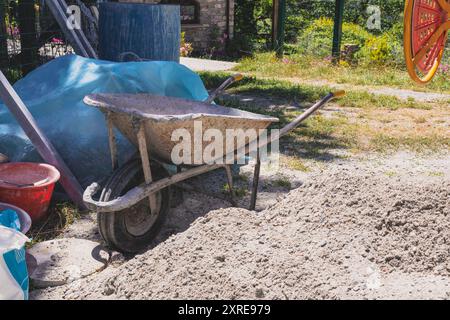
337	33
3	35
275	9
112	142
230	184
142	142
278	25
256	174
76	37
18	109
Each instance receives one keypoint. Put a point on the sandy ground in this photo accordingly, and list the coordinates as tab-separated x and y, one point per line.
196	64
366	228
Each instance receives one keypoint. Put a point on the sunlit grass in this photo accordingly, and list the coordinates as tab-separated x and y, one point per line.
311	68
379	123
385	142
294	163
290	92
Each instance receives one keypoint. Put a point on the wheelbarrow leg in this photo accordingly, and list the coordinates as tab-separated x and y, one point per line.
178	190
230	184
142	142
255	182
112	142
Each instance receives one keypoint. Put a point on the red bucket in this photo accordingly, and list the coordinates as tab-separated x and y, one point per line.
28	186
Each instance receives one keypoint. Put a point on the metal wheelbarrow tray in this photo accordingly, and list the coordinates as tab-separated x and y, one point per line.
161	116
136	199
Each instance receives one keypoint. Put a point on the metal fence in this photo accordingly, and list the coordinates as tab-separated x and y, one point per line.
30	36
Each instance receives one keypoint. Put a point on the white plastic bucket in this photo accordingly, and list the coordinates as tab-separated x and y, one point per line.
25	220
13	272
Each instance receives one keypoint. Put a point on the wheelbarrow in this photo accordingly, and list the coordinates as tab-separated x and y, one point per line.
134	203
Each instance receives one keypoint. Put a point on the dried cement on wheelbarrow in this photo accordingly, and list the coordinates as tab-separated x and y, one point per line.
355	230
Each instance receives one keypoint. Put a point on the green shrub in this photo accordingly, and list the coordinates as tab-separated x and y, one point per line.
396	32
376	50
252	26
384	49
13	74
318	37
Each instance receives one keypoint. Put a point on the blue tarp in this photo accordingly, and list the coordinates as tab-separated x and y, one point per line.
54	95
10	219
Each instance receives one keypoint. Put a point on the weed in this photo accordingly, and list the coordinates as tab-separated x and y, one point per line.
282	182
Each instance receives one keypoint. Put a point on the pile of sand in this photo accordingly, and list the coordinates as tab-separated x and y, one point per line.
348	232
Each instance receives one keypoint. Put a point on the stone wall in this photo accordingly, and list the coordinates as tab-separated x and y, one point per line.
210	32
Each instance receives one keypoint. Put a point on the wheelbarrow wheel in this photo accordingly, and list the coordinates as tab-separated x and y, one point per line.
133	229
424	23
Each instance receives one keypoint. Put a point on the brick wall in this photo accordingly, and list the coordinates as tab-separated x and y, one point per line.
212	27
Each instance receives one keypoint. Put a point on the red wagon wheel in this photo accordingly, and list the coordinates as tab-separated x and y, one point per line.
426	27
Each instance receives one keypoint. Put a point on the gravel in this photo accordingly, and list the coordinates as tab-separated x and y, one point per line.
354	230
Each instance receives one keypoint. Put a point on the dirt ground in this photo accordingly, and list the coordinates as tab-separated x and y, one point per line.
373	227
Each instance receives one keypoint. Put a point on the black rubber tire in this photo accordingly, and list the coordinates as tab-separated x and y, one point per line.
113	225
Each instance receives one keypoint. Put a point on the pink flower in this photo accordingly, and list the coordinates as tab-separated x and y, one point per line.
287	61
13	31
444	68
57	41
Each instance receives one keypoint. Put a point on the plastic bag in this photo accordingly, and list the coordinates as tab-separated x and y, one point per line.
54	95
13	268
10	219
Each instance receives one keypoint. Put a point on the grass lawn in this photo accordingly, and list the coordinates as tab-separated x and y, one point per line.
308	93
359	122
310	68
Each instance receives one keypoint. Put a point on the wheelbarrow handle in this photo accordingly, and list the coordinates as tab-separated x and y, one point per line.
219	91
338	94
88	194
96	206
142	191
305	115
292	125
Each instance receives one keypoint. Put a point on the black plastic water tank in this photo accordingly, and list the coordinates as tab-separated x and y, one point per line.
150	31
